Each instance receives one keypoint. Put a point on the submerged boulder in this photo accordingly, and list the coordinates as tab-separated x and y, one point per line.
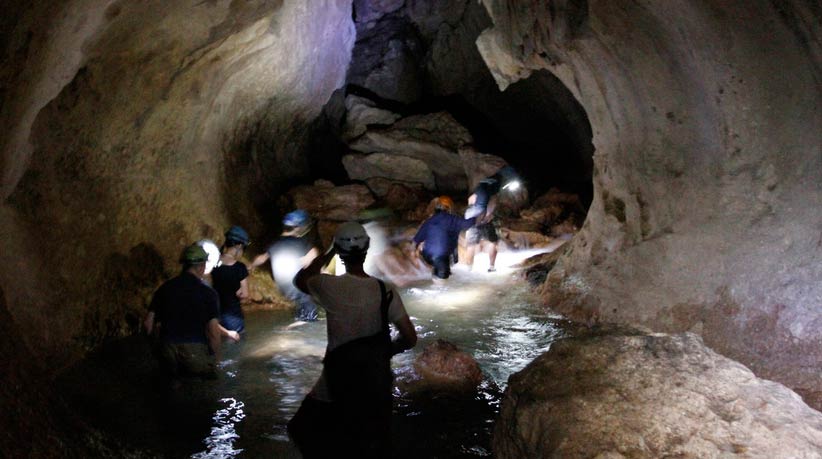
443	366
650	396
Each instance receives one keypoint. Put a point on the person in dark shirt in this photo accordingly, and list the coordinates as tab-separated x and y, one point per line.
482	203
437	238
230	279
184	316
290	253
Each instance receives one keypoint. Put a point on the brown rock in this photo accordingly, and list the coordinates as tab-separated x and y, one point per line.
433	139
324	201
649	396
443	366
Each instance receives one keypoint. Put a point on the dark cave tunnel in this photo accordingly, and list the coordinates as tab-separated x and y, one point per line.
134	128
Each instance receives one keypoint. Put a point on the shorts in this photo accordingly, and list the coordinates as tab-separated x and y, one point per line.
233	322
482	232
441	264
188	359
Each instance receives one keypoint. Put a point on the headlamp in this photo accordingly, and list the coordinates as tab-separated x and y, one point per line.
513	185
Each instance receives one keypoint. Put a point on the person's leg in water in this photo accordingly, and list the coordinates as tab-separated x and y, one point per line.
306	310
472	244
441	268
491	236
492	257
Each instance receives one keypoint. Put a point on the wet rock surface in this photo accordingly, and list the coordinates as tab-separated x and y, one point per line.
649	396
442	366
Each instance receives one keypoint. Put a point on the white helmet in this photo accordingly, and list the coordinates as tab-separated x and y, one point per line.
351	238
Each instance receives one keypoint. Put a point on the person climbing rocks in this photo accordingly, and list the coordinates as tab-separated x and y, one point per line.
482	202
290	253
230	279
437	238
184	316
350	405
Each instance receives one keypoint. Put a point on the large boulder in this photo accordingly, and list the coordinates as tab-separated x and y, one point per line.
643	395
433	139
396	168
324	201
443	366
361	113
479	165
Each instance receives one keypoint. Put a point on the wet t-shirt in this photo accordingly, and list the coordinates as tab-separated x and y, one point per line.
352	306
226	280
183	306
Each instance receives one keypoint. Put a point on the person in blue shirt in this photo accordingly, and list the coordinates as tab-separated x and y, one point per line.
437	238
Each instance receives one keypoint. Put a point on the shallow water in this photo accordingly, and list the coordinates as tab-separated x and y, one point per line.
264	378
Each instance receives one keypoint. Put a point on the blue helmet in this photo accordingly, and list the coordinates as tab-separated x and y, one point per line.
236	235
296	218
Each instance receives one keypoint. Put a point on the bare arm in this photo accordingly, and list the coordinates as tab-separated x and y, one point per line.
313	269
259	259
407	338
242	293
309	257
213	331
148	322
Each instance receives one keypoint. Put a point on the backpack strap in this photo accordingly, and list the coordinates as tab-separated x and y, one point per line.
386	297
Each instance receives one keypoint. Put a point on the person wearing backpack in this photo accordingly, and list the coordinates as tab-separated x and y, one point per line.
350	405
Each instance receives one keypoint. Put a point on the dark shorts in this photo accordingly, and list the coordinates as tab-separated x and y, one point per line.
232	322
482	232
441	265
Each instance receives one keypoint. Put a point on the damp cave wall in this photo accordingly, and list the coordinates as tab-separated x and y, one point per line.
131	129
707	209
134	128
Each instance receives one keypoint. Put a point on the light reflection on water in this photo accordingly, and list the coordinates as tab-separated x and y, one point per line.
220	444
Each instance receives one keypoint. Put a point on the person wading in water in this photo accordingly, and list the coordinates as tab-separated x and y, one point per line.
350	405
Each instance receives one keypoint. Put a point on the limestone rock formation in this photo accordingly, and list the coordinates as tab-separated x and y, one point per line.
650	396
397	168
324	201
708	168
360	113
416	142
443	366
479	165
386	58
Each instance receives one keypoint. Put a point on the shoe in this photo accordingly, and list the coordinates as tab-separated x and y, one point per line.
492	269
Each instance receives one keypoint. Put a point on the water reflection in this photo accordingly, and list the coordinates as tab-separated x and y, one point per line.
220	443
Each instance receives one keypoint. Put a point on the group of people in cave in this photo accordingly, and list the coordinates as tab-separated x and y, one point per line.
351	401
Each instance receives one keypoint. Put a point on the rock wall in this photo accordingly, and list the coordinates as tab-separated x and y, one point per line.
707	173
633	394
134	128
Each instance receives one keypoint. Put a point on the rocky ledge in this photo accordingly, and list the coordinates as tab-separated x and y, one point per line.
639	395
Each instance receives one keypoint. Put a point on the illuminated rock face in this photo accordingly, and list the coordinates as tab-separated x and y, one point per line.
139	127
649	396
708	168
